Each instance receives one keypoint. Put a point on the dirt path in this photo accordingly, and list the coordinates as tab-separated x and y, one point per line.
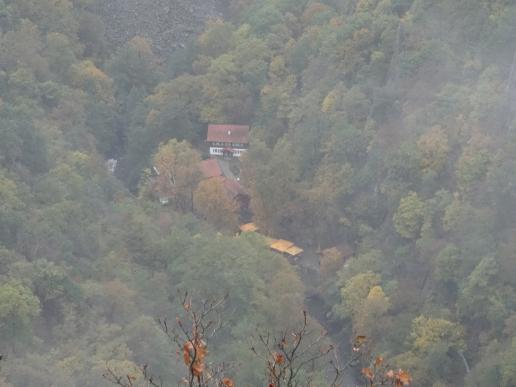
226	170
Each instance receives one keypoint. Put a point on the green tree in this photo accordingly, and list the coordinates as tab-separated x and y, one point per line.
408	218
354	293
18	308
20	142
60	55
508	368
216	39
435	343
225	96
134	65
271	179
22	47
54	289
10	211
480	288
474	162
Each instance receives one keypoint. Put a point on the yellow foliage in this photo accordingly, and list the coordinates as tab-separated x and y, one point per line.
429	331
211	200
179	172
336	22
86	75
314	9
329	102
142	46
277	67
434	149
356	291
376	293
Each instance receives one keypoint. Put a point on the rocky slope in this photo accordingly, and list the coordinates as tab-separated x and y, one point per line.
166	23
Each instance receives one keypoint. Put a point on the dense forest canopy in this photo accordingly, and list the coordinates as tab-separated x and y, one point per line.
384	126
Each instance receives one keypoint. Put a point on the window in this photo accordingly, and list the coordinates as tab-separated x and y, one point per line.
216	151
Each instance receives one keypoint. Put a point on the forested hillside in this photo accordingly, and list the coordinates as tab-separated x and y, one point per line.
385	126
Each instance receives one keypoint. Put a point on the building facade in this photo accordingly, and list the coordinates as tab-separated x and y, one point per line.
228	140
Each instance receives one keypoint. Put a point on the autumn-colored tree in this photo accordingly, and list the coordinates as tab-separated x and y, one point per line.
355	106
189	333
178	173
213	201
434	149
436	344
373	309
355	292
365	303
379	373
89	77
429	331
293	357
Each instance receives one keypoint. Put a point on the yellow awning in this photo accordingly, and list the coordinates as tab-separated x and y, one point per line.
281	245
294	251
249	227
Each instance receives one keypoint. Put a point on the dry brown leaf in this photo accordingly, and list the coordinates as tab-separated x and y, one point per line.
228	382
360	340
368	373
279	358
404	378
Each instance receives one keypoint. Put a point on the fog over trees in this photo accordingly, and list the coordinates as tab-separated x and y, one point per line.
375	183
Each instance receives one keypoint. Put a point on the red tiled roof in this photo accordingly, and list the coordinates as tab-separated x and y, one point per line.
210	168
228	133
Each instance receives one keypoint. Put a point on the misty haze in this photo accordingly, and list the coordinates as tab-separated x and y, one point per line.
240	193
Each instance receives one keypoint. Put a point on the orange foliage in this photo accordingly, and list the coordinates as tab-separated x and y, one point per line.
313	10
228	382
279	358
378	373
194	355
368	373
402	378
